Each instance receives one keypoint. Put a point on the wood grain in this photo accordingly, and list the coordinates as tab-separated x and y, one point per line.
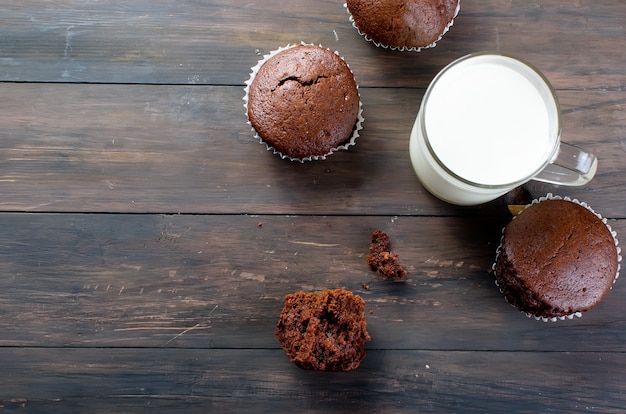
200	380
219	282
148	240
188	149
216	42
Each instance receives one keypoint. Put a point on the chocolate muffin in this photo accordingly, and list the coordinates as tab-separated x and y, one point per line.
324	331
303	102
403	24
557	259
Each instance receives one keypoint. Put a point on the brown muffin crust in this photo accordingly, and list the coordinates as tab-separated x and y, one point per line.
323	331
304	101
382	260
403	23
557	258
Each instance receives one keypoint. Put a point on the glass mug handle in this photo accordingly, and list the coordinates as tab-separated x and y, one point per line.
570	166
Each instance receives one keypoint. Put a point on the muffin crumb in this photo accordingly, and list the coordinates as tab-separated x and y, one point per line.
382	259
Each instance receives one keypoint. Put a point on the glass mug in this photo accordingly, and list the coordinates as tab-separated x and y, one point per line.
488	123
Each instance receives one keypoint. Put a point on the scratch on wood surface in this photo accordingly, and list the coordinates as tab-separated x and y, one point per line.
314	244
163	328
183	332
191	328
622	138
69	34
131	267
252	276
445	263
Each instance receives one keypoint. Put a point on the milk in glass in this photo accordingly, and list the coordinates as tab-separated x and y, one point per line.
487	124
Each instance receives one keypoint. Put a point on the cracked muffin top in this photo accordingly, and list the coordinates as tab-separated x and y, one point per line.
557	258
303	102
403	24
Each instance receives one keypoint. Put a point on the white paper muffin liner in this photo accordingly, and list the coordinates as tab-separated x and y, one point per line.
347	144
404	48
550	196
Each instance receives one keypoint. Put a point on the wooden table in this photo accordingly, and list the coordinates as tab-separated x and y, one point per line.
148	240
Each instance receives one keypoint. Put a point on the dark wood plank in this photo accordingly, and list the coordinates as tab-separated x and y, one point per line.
219	282
216	42
263	381
118	116
188	149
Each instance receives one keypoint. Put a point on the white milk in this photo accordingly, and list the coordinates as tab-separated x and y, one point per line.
491	123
